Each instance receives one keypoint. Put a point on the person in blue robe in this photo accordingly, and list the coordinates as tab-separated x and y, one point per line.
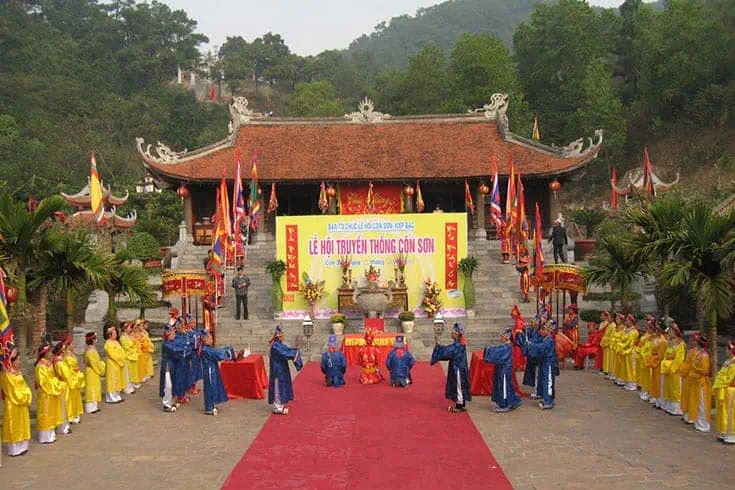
184	339
399	363
530	373
545	351
173	379
280	388
197	372
333	364
503	394
214	388
458	379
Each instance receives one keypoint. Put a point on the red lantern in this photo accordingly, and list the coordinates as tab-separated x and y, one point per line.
182	191
484	189
408	191
11	295
331	191
555	186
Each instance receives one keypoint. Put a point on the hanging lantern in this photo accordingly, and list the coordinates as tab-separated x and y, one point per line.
484	189
11	295
331	191
408	191
555	186
182	191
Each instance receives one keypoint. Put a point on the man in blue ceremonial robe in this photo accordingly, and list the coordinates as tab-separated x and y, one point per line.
280	389
214	388
545	351
530	373
458	378
399	363
334	364
173	377
501	355
185	340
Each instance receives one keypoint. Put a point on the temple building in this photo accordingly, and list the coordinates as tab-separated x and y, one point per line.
369	149
82	201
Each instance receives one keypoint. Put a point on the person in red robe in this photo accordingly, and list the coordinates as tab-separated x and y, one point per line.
519	325
504	244
525	280
209	305
369	358
590	348
571	324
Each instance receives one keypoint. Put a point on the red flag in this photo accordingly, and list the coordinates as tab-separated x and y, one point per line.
212	93
323	203
511	194
273	203
468	198
648	183
238	200
538	239
614	194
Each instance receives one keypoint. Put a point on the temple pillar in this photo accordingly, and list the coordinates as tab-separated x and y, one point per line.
480	232
189	214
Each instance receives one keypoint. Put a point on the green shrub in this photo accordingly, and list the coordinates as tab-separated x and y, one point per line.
339	318
406	316
468	265
589	218
143	246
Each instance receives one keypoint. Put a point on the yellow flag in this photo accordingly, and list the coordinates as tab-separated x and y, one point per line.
536	135
95	193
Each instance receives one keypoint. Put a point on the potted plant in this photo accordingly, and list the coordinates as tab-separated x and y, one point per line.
144	247
407	318
467	267
312	291
588	219
338	323
276	268
432	298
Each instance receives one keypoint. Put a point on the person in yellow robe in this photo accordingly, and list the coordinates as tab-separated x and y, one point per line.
114	365
49	414
700	385
608	326
17	397
643	372
615	342
131	372
657	353
69	371
674	356
724	390
684	369
145	350
627	345
60	370
93	373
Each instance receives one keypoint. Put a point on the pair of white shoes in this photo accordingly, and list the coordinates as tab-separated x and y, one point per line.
280	411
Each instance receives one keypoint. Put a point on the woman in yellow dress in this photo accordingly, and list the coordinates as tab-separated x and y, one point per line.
17	398
617	336
724	390
145	350
49	415
93	373
131	372
675	353
700	385
656	356
114	366
627	345
643	372
69	371
608	327
684	369
61	369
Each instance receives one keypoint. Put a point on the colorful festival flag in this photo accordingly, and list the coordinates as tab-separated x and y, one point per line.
614	193
225	207
253	201
535	133
273	202
538	241
420	206
6	331
95	193
510	196
323	203
468	198
238	201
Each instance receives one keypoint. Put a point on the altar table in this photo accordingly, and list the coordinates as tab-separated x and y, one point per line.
352	342
481	376
245	378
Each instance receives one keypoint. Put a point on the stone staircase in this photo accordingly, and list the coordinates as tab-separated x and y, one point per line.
496	286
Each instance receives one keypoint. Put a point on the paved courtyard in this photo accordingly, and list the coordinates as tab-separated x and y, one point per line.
598	436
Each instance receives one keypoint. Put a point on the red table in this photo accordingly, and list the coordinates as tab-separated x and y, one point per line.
245	378
481	377
352	342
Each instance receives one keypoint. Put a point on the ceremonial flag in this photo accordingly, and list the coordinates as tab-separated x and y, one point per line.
419	199
370	198
224	202
238	201
95	193
536	135
648	183
510	196
218	241
273	202
323	203
253	201
521	223
468	198
614	194
538	241
212	94
6	331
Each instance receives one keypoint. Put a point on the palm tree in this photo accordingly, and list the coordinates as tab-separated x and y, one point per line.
697	263
614	264
69	266
22	240
126	279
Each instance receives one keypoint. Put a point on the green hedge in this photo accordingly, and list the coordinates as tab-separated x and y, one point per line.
610	296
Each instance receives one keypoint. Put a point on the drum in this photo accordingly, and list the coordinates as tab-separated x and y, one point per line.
564	346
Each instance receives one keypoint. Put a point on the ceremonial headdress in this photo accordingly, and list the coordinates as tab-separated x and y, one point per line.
523	259
174	312
139	321
90	337
458	329
630	317
398	344
702	339
58	347
332	341
605	313
68	340
515	311
550	324
43	350
278	332
731	347
573	307
508	333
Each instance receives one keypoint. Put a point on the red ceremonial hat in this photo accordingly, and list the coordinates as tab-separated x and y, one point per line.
702	339
68	340
42	351
515	311
573	307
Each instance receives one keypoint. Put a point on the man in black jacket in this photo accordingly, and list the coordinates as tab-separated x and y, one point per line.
559	239
241	283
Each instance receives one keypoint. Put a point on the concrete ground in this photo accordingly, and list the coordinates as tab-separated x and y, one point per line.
598	436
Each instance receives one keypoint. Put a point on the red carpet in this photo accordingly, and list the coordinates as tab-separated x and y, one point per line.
370	437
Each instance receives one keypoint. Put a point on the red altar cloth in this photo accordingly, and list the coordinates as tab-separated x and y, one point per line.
245	378
481	377
375	323
351	344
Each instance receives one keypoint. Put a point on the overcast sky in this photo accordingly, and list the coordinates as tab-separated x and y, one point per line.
308	26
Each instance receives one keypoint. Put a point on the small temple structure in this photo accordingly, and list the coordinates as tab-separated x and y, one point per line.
370	149
633	182
82	201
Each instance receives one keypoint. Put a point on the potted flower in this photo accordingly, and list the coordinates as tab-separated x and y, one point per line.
312	291
407	318
588	219
401	260
467	267
276	268
432	298
338	323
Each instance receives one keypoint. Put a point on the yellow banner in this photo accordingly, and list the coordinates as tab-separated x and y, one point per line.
432	244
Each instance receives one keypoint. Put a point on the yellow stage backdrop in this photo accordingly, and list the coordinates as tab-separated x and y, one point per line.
434	243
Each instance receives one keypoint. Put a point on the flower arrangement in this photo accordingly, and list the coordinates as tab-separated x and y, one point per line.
338	318
432	300
400	260
312	291
372	275
344	262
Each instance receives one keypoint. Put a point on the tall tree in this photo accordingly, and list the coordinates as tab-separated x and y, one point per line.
315	99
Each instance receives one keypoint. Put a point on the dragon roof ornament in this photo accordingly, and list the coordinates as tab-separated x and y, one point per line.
496	110
576	148
163	154
366	113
